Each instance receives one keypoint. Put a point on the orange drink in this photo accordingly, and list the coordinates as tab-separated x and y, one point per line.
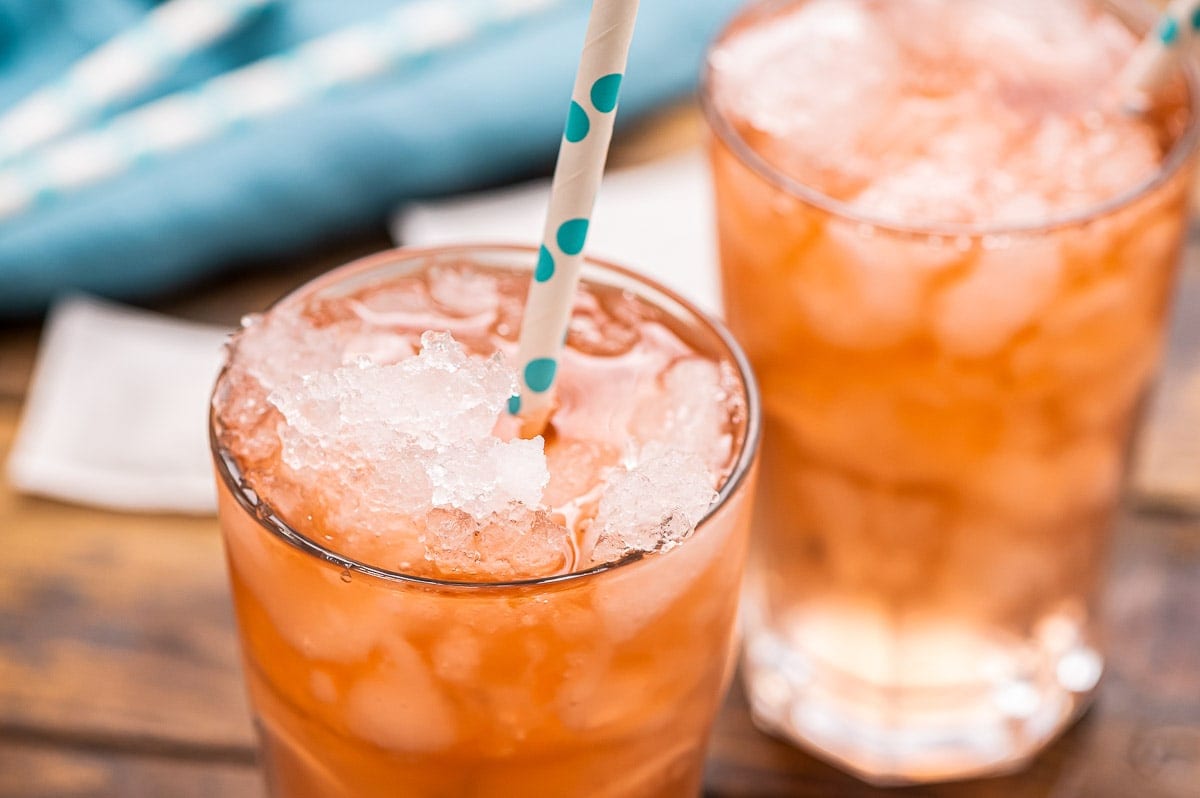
430	605
948	252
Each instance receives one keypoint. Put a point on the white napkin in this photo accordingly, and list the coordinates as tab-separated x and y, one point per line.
653	218
116	415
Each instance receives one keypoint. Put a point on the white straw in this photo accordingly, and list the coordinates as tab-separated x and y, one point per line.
1151	63
133	60
266	87
577	176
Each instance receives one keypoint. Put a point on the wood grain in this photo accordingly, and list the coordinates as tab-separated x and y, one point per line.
115	626
35	771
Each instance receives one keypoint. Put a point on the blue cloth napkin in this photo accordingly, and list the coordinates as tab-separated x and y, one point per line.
477	115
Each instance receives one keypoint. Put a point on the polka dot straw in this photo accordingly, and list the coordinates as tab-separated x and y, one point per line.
581	159
1150	65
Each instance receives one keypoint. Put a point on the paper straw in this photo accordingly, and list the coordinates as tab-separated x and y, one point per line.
266	87
580	167
133	60
1150	65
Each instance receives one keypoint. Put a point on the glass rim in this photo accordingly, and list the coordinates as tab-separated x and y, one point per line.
1179	154
266	517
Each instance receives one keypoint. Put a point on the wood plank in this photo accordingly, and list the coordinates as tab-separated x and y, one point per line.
115	626
35	771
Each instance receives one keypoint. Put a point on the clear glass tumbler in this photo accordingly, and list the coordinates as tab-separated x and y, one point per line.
368	683
948	412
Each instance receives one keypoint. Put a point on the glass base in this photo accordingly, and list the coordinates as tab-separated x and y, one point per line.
890	735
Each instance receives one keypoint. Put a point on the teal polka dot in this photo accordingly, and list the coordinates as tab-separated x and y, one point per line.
577	123
605	92
571	235
1168	31
514	405
539	374
545	266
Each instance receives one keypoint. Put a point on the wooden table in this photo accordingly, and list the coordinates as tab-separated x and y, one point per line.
119	674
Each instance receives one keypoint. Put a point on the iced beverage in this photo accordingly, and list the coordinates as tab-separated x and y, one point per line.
948	252
430	605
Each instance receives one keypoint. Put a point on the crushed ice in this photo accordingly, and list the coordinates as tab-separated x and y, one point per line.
653	505
414	434
416	437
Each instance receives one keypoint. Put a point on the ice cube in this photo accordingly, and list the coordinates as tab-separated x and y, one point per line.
488	475
379	347
652	506
248	421
631	600
463	292
457	654
399	706
807	125
872	534
862	288
273	348
604	329
394	302
1040	489
925	189
873	104
1004	292
313	609
519	543
412	435
692	411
